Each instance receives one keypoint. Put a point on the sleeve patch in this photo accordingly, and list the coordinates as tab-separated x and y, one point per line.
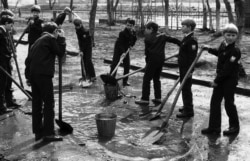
232	59
193	47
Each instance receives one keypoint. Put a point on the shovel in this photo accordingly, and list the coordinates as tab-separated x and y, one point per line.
83	81
158	113
64	127
16	63
20	87
157	133
114	80
108	78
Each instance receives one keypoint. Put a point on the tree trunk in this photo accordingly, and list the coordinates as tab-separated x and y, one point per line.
210	16
166	12
229	11
217	15
111	9
240	16
71	7
35	2
204	15
5	4
92	20
142	28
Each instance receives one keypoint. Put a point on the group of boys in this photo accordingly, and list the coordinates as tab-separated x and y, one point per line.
47	41
224	84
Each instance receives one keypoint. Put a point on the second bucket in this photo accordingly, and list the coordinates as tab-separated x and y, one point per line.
106	123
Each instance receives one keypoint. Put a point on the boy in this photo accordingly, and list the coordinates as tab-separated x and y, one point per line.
126	40
85	45
155	55
34	25
225	83
61	17
40	68
5	62
187	54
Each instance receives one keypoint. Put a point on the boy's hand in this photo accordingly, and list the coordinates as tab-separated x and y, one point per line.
81	53
60	32
28	83
205	47
213	84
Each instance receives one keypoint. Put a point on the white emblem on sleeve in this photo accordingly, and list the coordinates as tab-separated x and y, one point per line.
232	59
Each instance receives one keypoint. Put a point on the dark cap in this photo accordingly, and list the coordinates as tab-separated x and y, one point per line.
7	12
189	22
77	21
67	9
130	21
35	8
6	18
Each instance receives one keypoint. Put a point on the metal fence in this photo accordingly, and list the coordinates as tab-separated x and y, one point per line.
174	18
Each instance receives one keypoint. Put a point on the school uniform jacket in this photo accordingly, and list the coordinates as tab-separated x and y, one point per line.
155	46
41	59
125	40
34	30
188	51
228	62
5	48
84	39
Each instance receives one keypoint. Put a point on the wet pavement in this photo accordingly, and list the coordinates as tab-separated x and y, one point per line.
181	141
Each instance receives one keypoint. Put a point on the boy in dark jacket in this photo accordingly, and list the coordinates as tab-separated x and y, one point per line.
85	45
61	17
155	54
187	54
40	68
34	29
126	40
5	62
225	83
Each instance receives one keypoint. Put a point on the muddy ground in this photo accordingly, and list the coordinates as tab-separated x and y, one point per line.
182	141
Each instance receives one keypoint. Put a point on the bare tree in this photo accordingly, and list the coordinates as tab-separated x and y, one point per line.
52	4
5	4
142	27
111	8
71	7
217	15
240	16
204	27
210	16
229	11
92	19
166	12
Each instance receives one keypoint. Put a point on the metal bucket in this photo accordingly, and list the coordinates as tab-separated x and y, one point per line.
106	123
111	91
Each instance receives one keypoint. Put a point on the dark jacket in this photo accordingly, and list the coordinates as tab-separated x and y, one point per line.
125	40
188	51
155	46
41	59
34	30
5	48
60	18
228	62
84	39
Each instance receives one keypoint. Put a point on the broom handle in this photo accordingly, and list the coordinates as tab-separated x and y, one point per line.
60	88
167	96
165	122
21	37
121	59
138	70
20	87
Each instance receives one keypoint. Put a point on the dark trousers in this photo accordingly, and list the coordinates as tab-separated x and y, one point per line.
42	104
153	71
225	90
126	64
88	65
187	95
5	84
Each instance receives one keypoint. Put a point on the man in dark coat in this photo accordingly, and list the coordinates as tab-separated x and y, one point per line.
40	68
126	40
